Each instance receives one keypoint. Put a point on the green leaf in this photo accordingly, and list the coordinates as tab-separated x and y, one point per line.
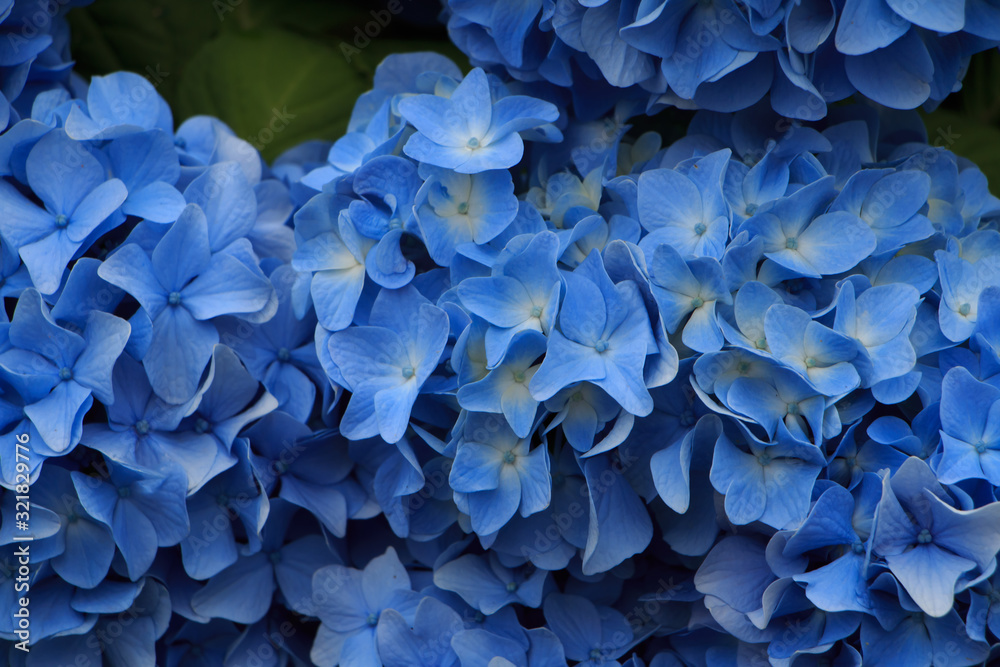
980	92
311	17
152	37
969	138
275	89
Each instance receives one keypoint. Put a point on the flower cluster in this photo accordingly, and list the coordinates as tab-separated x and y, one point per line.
34	54
484	383
726	55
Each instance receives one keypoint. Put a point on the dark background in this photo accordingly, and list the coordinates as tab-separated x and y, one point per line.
245	60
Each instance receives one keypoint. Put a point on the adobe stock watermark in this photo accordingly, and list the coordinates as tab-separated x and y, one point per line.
280	119
34	23
363	35
224	7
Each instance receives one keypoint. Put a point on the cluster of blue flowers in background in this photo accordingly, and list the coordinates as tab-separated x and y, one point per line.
494	381
726	55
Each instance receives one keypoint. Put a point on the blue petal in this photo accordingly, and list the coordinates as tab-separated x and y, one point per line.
943	17
226	286
62	172
838	586
736	572
228	201
179	351
619	522
897	76
929	574
131	269
241	593
159	202
867	25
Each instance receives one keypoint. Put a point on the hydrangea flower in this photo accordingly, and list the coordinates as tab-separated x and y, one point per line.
728	56
60	369
498	474
470	131
105	116
453	208
386	363
686	207
182	297
78	199
590	635
799	236
603	337
969	448
767	483
424	396
927	543
242	591
143	508
522	295
351	603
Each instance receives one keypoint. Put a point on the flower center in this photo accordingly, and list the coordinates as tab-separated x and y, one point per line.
810	362
142	427
124	492
174	298
65	373
761	343
536	311
72	518
964	309
280	467
687	418
697	302
700	228
408	372
792	243
793	408
858	548
601	345
284	354
511	587
764	460
509	457
62	221
924	537
751	209
519	377
372	620
180	142
472	143
202	426
595	654
463	208
851	461
981	447
274	557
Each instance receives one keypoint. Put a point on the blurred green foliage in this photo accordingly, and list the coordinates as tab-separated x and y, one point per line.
972	116
278	72
271	86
